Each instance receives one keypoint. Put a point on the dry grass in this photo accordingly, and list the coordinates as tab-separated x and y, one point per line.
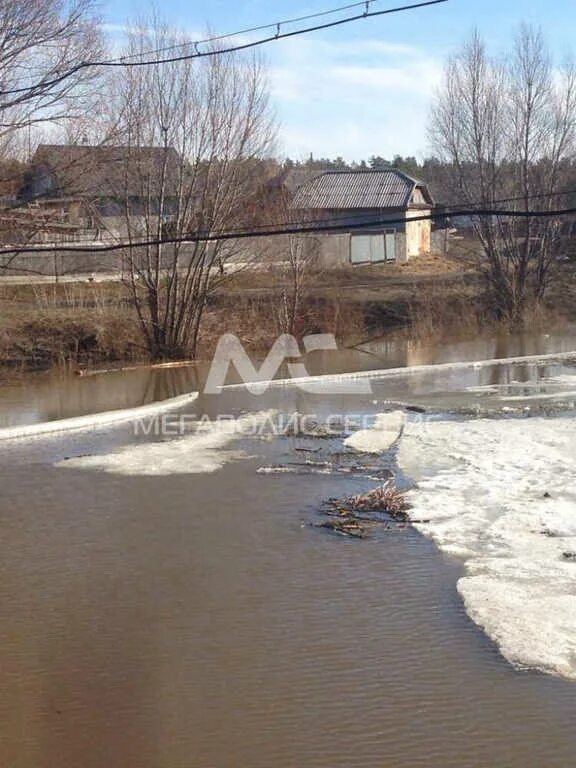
274	277
458	309
88	324
255	320
73	324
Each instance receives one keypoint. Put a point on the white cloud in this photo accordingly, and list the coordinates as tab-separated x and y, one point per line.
353	98
389	79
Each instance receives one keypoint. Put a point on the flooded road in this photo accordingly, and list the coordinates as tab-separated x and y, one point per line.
194	619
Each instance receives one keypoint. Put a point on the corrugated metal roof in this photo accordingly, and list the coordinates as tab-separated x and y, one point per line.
357	189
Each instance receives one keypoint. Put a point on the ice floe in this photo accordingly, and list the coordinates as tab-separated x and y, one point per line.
380	437
501	494
202	451
327	381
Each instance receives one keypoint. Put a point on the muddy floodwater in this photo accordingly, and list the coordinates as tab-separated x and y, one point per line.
165	601
59	395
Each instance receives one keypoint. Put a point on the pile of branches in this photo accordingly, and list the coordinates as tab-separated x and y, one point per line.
386	499
354	516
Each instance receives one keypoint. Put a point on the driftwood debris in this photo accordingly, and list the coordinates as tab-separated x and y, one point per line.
346	526
311	466
309	428
385	506
386	499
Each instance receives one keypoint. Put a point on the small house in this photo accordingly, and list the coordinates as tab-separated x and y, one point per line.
378	216
102	192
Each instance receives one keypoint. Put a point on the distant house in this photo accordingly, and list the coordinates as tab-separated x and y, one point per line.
101	192
376	212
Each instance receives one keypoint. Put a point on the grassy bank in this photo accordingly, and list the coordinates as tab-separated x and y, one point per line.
76	324
87	324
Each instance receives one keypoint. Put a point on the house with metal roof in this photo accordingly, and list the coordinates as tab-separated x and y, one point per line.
376	215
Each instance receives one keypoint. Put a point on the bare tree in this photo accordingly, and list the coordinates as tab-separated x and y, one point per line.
508	131
212	121
41	41
293	258
300	255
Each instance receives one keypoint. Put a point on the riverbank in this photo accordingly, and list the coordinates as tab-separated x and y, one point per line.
90	324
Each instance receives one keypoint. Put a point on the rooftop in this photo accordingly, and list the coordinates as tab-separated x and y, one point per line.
387	188
105	171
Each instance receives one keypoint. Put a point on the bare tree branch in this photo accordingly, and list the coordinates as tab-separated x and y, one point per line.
509	130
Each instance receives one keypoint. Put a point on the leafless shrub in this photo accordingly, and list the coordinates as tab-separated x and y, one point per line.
507	131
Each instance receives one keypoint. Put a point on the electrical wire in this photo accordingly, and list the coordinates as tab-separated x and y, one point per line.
366	220
312	228
23	204
273	25
42	86
518	198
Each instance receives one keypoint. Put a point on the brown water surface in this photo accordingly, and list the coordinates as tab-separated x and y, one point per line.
59	394
197	621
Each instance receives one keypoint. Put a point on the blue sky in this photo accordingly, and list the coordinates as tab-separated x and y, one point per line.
364	88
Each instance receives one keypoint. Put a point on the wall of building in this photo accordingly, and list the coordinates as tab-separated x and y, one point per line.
56	264
440	241
418	234
401	252
334	250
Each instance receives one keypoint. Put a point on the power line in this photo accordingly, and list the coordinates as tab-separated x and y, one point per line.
366	220
313	228
341	221
518	198
272	25
369	220
220	51
23	204
279	35
446	212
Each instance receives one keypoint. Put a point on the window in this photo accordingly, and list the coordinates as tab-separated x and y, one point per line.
371	248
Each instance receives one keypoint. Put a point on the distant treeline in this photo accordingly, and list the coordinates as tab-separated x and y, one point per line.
445	179
408	164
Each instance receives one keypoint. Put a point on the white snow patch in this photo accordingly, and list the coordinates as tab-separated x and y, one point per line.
379	438
196	453
501	494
